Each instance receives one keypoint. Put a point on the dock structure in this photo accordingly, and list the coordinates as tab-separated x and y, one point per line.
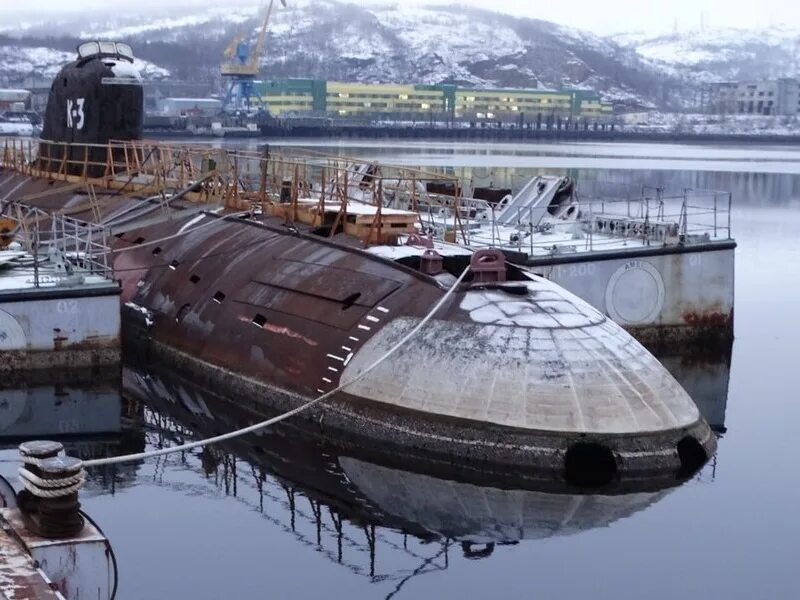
59	303
19	575
48	550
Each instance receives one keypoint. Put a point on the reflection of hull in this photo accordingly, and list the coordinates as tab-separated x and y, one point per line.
81	408
705	377
58	404
482	515
433	500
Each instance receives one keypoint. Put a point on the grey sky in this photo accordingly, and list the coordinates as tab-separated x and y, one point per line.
605	17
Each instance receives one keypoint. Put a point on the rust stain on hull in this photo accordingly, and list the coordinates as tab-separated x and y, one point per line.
708	319
285	331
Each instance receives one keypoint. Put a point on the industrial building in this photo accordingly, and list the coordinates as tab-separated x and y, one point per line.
189	107
766	97
14	99
303	97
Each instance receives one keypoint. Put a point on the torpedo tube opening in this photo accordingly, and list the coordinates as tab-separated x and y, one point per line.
692	456
589	464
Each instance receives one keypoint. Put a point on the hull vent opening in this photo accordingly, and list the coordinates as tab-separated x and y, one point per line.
692	456
589	465
350	300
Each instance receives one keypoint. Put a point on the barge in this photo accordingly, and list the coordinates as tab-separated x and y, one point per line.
56	309
234	273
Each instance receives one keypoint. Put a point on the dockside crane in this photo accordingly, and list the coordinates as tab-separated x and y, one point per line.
240	67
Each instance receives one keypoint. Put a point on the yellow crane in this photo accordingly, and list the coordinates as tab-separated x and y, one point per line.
241	66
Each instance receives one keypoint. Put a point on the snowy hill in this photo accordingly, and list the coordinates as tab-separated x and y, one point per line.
45	62
721	54
415	44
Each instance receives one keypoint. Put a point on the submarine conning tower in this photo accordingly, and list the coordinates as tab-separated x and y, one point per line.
93	100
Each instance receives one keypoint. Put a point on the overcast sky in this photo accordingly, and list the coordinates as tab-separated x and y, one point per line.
607	16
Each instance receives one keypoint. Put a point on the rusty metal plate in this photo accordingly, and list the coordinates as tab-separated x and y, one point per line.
324	281
328	311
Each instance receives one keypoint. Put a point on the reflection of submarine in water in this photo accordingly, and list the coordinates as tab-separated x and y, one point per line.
429	500
81	408
512	369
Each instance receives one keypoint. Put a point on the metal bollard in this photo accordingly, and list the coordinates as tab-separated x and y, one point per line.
49	497
431	262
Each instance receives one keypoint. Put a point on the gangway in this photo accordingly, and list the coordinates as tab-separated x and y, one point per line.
531	201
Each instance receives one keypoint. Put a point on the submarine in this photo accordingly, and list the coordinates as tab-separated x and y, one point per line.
511	369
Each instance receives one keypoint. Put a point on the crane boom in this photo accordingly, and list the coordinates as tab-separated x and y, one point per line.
255	58
241	65
251	66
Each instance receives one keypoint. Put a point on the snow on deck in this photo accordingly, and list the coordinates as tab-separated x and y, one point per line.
17	274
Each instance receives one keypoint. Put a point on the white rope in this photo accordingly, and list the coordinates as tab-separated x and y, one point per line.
282	417
50	483
51	488
40	493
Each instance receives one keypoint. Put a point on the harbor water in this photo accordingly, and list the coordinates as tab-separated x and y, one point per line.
281	514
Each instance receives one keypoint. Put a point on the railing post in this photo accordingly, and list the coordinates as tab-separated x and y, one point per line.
36	255
715	214
730	199
530	228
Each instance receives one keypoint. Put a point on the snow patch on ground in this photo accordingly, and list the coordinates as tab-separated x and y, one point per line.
680	123
225	14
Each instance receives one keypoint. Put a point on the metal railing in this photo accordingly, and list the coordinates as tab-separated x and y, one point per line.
316	189
45	236
325	192
591	224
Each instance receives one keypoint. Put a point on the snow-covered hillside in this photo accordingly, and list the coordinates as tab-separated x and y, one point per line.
416	44
45	62
721	54
334	40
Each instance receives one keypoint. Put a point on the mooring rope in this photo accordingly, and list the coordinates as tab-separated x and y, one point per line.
51	488
113	460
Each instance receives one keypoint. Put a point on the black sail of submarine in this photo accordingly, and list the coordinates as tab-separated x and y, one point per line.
93	100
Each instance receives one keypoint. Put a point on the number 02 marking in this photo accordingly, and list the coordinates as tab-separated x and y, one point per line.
67	307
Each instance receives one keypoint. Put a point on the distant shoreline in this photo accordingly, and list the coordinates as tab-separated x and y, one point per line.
481	134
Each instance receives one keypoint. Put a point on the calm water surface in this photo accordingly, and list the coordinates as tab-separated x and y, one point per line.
279	516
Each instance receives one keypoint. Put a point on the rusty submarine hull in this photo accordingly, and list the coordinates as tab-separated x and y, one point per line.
234	276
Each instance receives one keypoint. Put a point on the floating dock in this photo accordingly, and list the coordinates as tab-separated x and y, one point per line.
59	303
